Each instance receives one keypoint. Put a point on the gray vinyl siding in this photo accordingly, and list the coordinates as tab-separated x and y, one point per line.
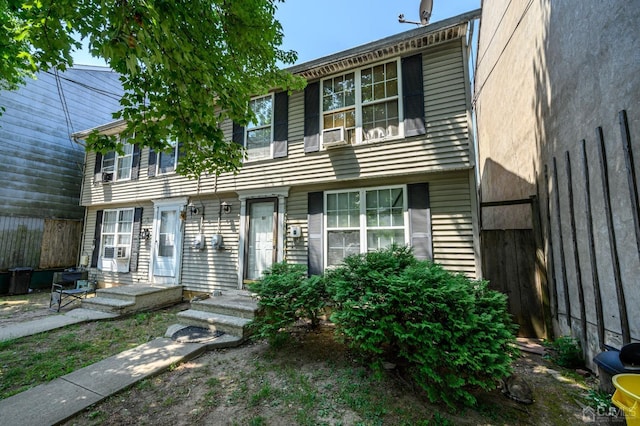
452	222
208	270
445	147
296	248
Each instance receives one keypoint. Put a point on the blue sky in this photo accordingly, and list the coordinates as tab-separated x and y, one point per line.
319	28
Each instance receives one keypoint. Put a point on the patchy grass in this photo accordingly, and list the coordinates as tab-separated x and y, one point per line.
29	361
316	381
311	381
23	307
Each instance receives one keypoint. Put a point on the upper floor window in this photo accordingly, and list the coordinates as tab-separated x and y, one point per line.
164	162
363	105
259	132
117	166
267	135
168	160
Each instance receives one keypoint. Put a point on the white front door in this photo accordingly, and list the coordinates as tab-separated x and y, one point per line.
167	244
261	247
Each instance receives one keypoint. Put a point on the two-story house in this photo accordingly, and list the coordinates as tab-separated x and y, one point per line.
377	149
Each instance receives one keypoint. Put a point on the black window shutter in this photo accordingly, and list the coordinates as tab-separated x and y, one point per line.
135	162
96	239
413	96
97	168
153	158
181	152
280	124
312	117
315	205
420	220
135	243
238	134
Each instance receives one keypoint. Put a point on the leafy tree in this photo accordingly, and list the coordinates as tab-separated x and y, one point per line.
186	65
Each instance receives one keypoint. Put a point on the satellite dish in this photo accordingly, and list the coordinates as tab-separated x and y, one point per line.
425	11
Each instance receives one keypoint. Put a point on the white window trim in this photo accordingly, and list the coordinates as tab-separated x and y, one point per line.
116	161
363	218
248	128
359	104
116	264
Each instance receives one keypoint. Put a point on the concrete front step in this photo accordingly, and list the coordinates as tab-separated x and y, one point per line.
133	298
233	325
104	304
233	305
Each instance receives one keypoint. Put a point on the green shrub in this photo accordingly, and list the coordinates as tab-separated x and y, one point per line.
285	296
451	333
566	352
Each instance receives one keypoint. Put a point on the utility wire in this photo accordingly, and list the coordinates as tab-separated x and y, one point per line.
67	114
103	92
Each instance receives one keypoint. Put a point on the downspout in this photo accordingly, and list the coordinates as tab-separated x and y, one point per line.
474	178
85	215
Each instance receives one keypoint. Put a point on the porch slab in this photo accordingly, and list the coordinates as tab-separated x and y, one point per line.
133	298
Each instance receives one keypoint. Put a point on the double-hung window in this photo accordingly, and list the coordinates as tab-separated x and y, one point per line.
363	105
259	133
168	160
117	166
364	220
117	227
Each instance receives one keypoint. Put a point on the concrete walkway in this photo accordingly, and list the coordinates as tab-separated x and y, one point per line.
62	398
51	322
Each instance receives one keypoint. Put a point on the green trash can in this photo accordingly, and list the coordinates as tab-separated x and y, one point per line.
19	280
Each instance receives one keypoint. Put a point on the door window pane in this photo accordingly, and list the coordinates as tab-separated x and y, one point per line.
166	237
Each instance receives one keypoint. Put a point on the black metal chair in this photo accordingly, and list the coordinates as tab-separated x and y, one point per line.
63	295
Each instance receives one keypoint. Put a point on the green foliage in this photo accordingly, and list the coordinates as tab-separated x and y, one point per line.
565	351
285	296
599	400
452	333
186	65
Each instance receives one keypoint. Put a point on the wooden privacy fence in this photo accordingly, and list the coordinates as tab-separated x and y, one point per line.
60	243
509	263
38	243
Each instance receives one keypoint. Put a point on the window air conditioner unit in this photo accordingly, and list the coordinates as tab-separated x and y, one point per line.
109	252
333	137
107	176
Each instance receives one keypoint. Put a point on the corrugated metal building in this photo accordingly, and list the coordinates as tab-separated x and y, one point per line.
41	167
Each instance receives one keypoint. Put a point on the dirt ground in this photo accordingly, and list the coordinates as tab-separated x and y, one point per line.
315	380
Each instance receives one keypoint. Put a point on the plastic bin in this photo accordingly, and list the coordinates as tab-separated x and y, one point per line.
627	396
19	280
